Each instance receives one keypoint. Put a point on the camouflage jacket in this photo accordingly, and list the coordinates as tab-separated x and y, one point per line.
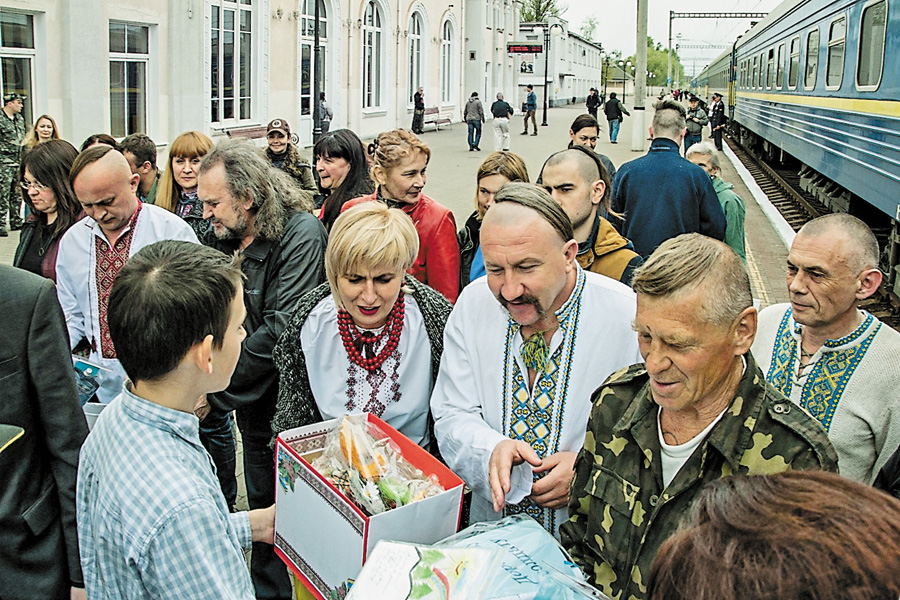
11	133
620	511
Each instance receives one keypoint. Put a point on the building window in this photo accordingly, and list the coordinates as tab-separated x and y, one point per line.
307	45
446	62
871	45
129	55
834	67
231	65
415	55
372	56
812	59
794	69
16	57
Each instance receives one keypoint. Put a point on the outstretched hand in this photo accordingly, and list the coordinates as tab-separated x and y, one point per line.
552	490
505	456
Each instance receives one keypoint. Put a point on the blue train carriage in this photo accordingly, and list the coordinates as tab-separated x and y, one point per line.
819	81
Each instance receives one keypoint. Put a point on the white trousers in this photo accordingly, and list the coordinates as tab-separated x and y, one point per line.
501	133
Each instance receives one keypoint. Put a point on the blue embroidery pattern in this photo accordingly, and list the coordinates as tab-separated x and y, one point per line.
830	375
537	419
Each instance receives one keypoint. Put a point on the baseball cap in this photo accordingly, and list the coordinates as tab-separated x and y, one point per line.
279	125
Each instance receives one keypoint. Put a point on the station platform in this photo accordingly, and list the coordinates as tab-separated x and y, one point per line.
451	181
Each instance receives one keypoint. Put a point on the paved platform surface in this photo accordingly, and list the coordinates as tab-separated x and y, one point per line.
451	181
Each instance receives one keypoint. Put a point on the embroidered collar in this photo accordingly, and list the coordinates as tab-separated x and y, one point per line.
569	307
851	339
95	226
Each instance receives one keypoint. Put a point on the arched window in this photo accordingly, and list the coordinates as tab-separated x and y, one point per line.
415	55
446	61
372	56
307	34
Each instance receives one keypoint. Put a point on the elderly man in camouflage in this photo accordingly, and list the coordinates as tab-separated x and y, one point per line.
696	410
12	130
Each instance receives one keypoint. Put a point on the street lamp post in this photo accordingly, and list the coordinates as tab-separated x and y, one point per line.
547	28
623	66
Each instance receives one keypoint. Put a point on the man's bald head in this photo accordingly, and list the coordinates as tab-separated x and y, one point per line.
537	200
861	249
588	168
113	162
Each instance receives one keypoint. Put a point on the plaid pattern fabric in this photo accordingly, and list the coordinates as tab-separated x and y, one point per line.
110	260
152	521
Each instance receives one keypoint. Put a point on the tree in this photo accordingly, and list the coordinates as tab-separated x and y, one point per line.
658	62
589	28
536	11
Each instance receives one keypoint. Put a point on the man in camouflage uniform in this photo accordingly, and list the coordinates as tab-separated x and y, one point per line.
698	409
12	130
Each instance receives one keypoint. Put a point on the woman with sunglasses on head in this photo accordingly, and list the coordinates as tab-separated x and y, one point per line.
284	155
44	177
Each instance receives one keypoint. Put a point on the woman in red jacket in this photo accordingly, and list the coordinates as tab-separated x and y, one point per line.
399	160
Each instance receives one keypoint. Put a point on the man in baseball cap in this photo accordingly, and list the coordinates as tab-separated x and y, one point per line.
12	130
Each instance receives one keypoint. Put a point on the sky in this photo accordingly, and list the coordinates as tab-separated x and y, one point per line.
617	24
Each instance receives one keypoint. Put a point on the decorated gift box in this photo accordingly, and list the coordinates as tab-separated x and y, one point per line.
323	536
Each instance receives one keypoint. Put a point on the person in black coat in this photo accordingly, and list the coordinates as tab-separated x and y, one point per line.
717	119
38	538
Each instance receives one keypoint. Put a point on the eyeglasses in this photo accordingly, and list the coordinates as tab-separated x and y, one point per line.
34	184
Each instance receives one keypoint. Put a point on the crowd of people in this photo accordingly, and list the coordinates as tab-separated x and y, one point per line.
585	350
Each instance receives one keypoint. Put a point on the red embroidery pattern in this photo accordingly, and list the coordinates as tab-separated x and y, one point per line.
109	262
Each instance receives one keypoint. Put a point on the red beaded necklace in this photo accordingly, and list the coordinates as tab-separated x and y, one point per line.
393	327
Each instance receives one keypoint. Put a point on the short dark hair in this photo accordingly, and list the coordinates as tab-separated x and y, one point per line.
583	122
168	297
798	534
141	146
87	157
101	138
529	86
540	201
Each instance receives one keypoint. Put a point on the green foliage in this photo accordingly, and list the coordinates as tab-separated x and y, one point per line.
535	11
589	28
658	63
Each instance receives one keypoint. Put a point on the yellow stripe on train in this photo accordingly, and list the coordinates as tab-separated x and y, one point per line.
886	108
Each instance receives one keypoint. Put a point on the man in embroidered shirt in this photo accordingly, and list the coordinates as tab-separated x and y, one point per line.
698	409
839	363
523	350
152	522
94	250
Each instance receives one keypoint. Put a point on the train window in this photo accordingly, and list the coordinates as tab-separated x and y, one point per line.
794	69
871	45
770	69
834	68
760	83
779	68
812	59
753	73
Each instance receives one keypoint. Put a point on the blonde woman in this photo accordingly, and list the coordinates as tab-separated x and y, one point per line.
44	130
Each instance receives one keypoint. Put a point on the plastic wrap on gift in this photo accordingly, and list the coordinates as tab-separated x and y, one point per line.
531	554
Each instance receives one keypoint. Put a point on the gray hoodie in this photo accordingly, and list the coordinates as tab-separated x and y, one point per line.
474	110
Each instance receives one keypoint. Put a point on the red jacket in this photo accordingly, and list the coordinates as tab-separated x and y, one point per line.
437	264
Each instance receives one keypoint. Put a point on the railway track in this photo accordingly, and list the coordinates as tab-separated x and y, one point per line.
782	186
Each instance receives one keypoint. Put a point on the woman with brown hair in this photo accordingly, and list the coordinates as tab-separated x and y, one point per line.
798	535
44	177
399	160
177	191
498	169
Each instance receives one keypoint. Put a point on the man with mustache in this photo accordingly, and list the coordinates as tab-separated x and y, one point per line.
524	348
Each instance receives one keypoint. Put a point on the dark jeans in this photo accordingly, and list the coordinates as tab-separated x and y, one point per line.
269	574
474	134
717	138
218	439
690	140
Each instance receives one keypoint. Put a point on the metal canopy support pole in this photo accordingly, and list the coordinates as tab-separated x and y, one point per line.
669	72
638	132
317	74
546	65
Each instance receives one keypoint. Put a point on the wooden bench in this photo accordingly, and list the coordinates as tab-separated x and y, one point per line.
250	133
434	117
